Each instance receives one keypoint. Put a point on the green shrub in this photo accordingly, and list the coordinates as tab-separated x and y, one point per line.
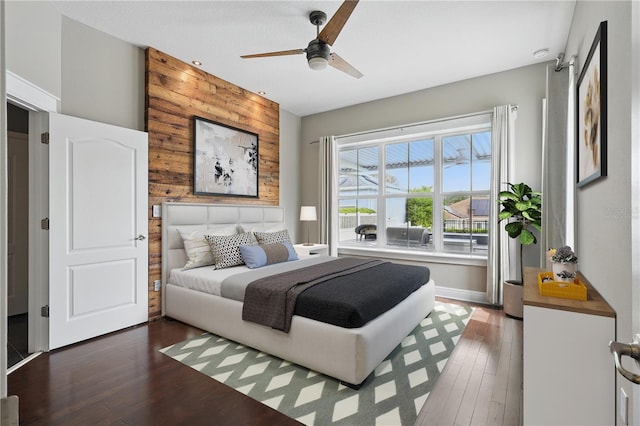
420	210
350	210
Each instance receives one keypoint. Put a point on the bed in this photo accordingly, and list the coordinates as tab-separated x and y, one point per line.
347	354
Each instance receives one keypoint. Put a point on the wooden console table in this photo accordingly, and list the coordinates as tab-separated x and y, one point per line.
568	372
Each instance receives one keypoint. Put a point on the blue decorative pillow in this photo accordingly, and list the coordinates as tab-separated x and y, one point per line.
257	256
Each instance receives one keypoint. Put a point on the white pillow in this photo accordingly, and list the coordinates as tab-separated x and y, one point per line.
198	249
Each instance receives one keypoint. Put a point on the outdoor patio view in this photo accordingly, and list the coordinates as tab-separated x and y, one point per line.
404	212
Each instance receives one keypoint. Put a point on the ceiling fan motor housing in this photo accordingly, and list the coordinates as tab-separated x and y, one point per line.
317	54
317	49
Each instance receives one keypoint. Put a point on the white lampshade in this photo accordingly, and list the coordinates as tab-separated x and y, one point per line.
308	213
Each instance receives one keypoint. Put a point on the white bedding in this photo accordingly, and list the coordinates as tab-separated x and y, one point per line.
206	279
209	280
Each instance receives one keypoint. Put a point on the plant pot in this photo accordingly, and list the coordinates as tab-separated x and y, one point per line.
512	298
559	267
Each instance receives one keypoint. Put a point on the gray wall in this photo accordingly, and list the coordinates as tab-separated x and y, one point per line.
523	86
96	76
603	208
33	43
102	77
290	129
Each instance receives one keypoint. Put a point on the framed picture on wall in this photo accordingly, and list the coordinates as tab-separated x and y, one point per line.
591	112
225	159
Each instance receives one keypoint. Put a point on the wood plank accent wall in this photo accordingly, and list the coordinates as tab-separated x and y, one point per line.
174	93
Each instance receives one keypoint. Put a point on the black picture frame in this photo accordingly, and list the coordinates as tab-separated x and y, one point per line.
225	159
591	113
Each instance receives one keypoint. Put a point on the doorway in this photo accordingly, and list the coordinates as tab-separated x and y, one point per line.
18	231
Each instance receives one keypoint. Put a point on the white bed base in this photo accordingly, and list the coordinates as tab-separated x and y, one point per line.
348	354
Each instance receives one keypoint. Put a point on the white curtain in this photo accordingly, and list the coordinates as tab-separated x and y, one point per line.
328	211
499	268
558	161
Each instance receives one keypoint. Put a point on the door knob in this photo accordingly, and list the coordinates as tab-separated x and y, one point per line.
625	349
141	237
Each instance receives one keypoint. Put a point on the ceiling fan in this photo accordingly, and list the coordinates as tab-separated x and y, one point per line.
318	52
462	157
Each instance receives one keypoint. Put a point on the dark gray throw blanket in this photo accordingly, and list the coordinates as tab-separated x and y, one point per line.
271	300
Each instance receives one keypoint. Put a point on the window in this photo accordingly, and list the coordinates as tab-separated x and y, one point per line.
423	190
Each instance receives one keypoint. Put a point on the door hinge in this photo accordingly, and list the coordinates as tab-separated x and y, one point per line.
44	311
44	138
44	224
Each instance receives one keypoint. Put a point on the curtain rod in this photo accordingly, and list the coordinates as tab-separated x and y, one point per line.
562	65
513	109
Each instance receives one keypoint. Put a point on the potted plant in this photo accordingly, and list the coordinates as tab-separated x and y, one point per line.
522	210
564	262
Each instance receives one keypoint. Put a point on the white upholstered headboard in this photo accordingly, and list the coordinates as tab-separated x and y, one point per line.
198	216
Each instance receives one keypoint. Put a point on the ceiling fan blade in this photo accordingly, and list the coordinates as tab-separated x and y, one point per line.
280	53
331	31
337	62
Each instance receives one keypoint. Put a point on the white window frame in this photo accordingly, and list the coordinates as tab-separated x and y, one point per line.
436	129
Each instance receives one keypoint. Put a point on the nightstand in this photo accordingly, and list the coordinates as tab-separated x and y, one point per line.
303	250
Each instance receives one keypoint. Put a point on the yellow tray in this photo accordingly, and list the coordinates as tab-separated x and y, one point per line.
575	290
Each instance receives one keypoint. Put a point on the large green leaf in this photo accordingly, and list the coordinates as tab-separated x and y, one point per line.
520	190
528	216
523	205
504	215
527	238
508	195
513	229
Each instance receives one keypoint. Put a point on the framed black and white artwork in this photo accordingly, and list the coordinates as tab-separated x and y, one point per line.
225	160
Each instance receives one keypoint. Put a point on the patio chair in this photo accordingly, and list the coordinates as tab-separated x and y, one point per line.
367	231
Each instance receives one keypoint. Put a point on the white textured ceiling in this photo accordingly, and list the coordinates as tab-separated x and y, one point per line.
399	46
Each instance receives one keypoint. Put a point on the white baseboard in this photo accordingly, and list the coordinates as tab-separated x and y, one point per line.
465	295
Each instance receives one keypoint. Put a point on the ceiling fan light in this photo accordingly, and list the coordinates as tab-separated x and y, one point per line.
318	63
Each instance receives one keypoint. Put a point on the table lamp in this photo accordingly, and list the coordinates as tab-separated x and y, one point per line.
308	214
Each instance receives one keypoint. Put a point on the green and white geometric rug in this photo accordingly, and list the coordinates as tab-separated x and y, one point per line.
395	395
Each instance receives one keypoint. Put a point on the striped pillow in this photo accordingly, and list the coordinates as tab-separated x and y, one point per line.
198	249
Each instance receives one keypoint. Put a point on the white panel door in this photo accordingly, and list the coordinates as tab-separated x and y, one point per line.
98	251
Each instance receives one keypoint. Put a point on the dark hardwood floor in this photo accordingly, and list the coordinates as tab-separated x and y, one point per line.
481	384
122	379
